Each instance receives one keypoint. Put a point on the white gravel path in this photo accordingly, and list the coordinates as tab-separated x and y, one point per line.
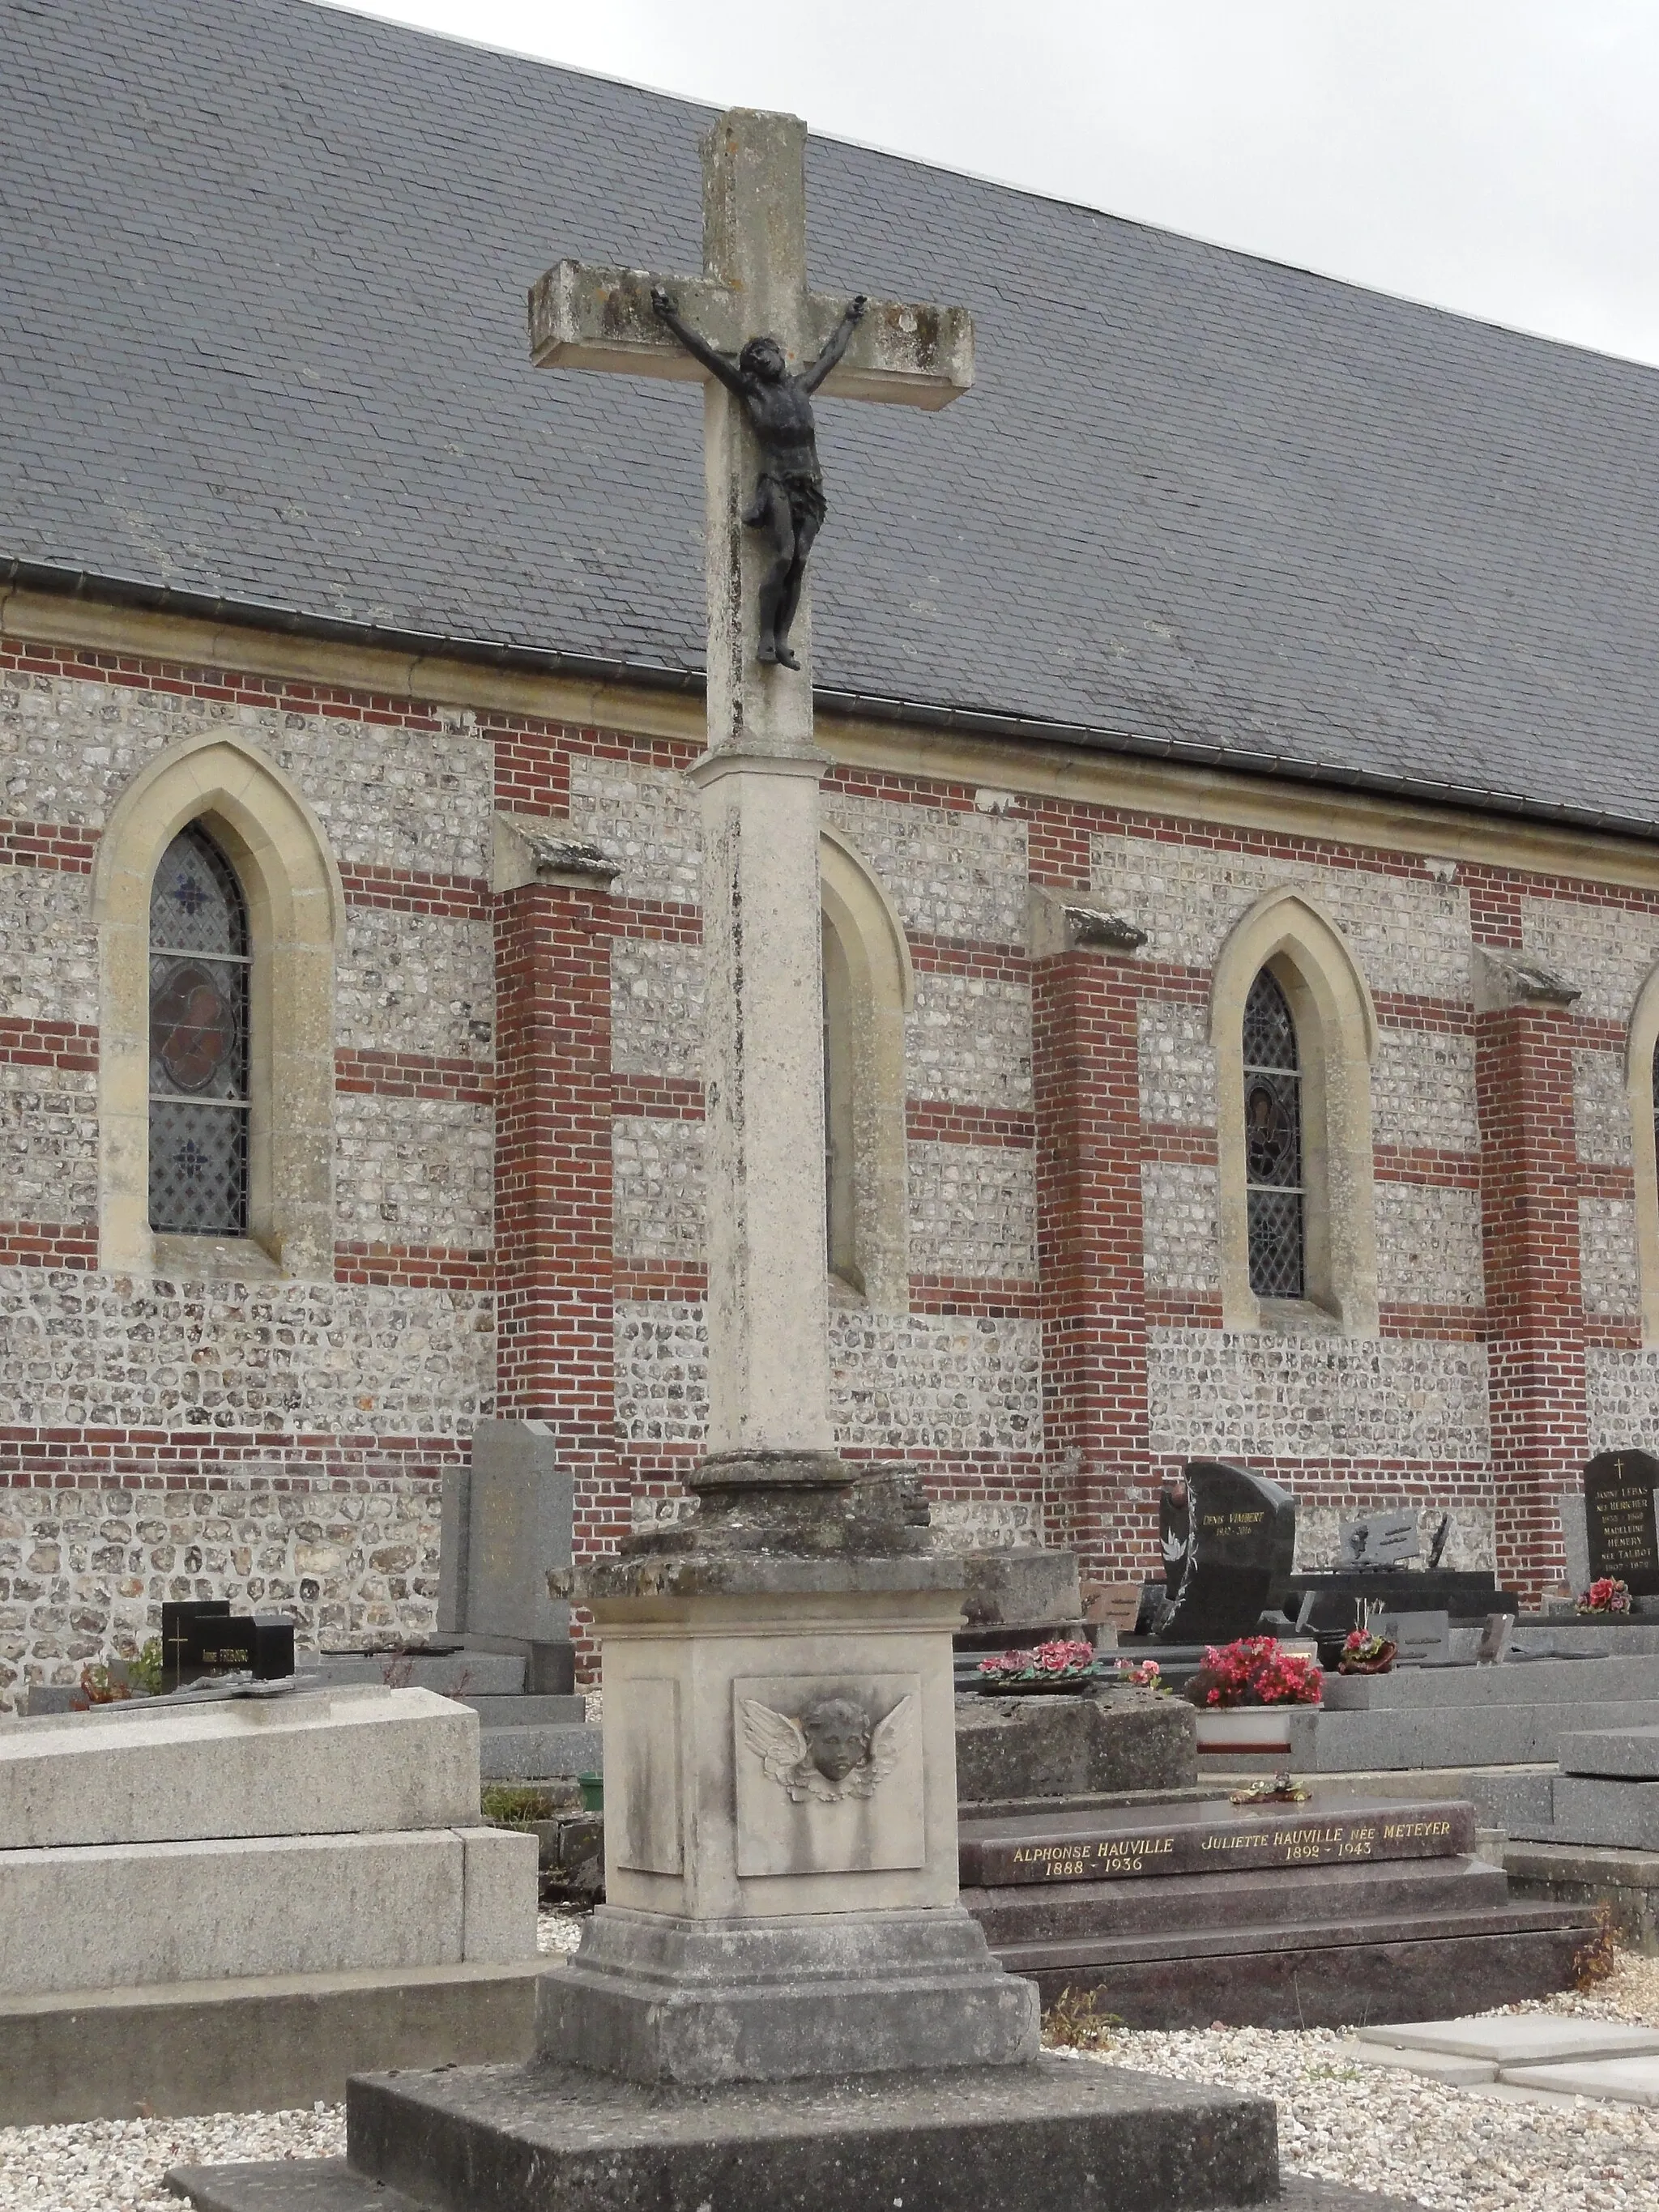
1455	2150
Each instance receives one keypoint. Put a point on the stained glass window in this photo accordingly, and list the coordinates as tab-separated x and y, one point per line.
198	1011
1273	1142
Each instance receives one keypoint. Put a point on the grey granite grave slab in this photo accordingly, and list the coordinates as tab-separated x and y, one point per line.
1624	1884
1616	2080
1524	2039
1623	1678
1590	1810
1627	1754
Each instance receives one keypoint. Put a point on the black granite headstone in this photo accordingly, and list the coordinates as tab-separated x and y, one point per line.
1239	1555
181	1649
1175	1529
1618	1520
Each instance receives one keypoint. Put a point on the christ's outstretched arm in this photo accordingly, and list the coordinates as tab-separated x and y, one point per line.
841	338
717	363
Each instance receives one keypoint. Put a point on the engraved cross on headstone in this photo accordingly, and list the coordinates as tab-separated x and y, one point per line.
768	1418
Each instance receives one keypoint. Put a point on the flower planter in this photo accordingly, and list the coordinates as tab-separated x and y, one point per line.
1060	1685
1245	1728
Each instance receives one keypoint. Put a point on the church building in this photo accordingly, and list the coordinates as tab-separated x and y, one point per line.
1240	869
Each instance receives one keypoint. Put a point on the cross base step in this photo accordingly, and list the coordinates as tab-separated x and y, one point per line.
1056	2133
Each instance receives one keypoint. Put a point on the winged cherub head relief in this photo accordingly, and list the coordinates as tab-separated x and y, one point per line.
833	1751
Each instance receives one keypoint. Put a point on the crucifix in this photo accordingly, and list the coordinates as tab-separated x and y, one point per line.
761	343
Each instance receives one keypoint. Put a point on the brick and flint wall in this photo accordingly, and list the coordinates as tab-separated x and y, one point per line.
519	1190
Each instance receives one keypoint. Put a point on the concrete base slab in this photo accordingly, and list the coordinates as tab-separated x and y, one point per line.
1617	2081
330	2186
1529	2039
1057	2133
1432	2065
264	2044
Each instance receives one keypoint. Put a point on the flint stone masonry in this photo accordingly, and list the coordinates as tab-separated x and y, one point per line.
1179	1205
1428	1245
1621	1395
949	874
1471	1541
314	1358
1423	1090
987	1524
656	1007
1178	1065
48	1143
1607	952
1610	1271
658	1193
413	1171
48	947
921	1381
968	1038
86	1570
1406	933
973	1210
1229	1394
387	797
1601	1109
647	819
417	983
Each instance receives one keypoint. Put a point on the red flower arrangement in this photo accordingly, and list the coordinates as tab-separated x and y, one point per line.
1609	1595
1366	1653
1255	1670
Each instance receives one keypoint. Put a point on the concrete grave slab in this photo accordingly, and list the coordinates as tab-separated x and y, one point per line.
1433	2065
113	1915
1526	2040
1616	2080
331	1762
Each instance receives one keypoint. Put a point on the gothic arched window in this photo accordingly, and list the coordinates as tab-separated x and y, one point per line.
1272	1143
198	1041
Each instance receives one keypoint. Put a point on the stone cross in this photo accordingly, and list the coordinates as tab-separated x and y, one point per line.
768	1415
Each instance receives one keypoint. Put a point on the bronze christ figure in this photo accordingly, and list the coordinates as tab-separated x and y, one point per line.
788	503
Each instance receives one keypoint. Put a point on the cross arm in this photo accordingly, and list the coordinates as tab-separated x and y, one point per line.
584	317
908	356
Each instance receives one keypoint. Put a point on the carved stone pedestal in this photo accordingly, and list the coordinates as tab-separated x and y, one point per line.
781	1833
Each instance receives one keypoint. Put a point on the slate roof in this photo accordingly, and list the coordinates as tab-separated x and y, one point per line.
262	344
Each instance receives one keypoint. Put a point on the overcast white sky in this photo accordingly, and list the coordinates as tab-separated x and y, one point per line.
1497	157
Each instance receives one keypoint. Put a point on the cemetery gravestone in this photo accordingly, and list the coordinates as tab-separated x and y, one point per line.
1422	1639
1381	1539
1619	1512
1239	1555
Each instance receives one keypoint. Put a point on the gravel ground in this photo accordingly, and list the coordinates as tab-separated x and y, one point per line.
1455	2150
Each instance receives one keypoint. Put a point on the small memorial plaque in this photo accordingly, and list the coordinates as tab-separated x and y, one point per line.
1217	1841
1619	1517
1422	1639
1381	1539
